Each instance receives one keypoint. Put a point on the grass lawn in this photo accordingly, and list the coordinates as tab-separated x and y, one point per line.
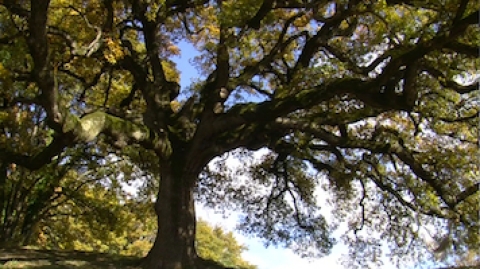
57	259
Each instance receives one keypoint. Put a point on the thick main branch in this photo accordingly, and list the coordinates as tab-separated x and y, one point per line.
86	129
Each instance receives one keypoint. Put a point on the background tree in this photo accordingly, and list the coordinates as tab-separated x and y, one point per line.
215	244
125	225
29	197
32	200
377	97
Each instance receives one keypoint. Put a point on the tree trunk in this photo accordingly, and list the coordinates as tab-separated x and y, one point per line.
174	246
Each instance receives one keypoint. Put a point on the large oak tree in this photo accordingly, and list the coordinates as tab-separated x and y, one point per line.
375	99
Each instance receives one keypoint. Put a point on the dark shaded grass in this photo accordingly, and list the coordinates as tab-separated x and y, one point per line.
57	259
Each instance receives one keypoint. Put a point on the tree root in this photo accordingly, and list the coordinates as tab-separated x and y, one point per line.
201	263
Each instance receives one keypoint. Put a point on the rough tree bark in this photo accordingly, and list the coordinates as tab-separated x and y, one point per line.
174	246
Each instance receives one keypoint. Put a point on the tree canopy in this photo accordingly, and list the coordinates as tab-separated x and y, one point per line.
372	102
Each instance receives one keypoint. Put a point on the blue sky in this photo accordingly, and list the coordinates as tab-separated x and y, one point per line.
271	257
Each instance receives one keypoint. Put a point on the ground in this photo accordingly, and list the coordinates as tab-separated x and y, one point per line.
27	258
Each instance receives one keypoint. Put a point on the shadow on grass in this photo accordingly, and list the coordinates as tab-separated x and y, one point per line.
56	259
